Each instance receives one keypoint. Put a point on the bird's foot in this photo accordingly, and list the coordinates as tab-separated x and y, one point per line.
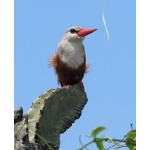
67	86
81	85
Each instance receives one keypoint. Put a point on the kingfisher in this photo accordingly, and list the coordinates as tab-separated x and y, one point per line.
69	61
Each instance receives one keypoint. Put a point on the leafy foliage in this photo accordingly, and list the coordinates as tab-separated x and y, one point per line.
96	131
128	141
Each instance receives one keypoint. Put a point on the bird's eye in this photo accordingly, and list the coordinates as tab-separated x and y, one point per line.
73	30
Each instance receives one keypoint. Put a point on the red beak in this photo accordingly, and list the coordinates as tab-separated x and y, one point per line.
84	32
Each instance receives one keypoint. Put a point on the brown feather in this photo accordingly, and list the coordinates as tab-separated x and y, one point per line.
67	75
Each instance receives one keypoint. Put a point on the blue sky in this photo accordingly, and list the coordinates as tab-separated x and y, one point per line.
111	82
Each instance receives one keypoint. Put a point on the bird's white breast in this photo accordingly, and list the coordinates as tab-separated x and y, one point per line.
72	54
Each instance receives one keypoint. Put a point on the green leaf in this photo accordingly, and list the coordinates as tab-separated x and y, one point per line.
130	143
131	134
130	139
99	144
97	131
131	147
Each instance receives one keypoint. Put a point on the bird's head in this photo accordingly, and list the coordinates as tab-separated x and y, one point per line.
77	33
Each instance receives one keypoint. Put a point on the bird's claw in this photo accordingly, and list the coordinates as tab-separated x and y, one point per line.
67	86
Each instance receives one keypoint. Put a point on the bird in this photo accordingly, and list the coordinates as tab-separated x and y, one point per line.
69	61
